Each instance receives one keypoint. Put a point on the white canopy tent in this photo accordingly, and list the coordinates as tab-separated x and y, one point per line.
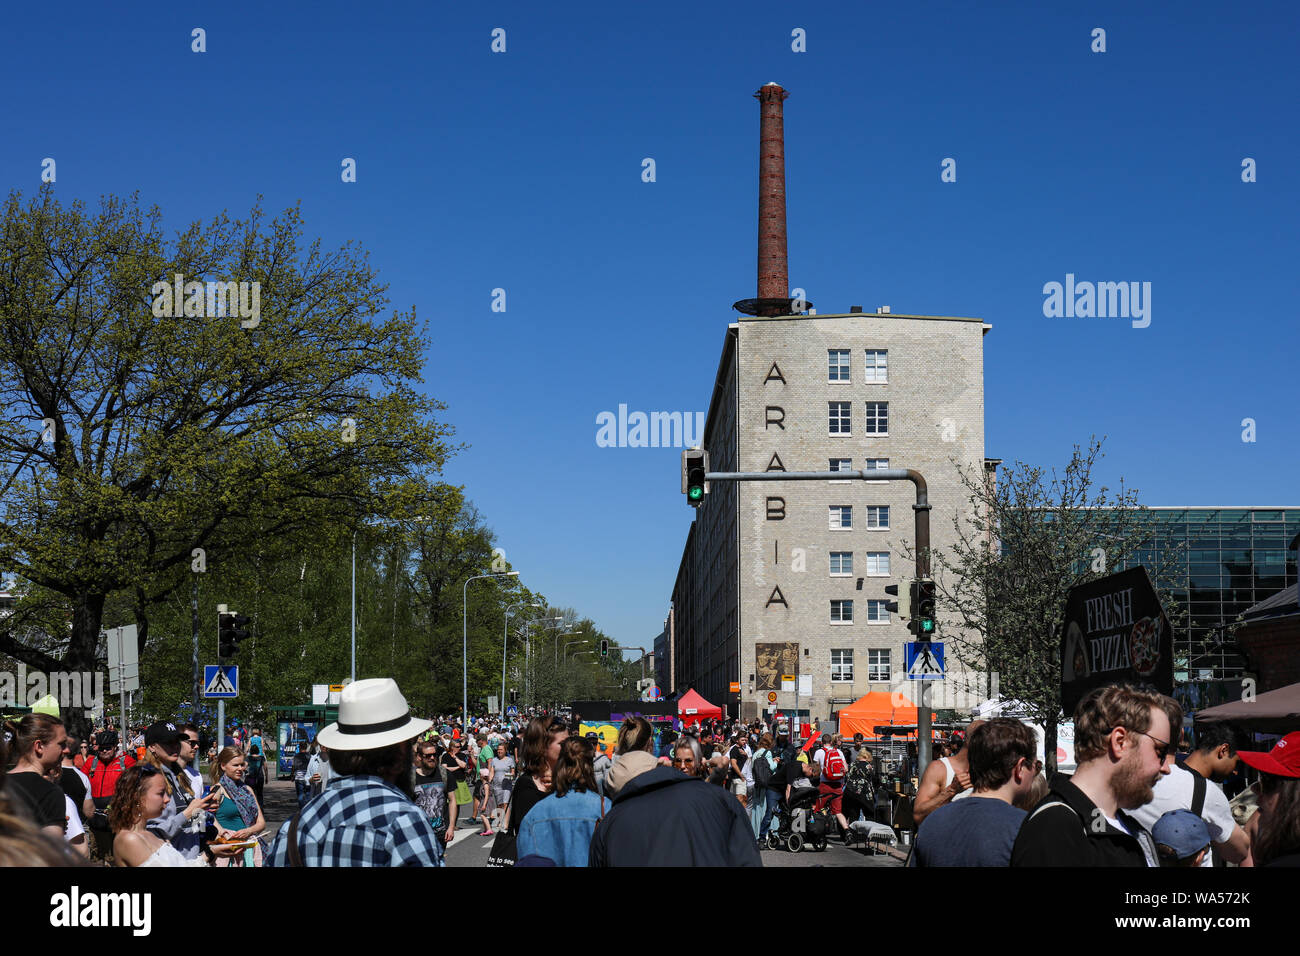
1002	707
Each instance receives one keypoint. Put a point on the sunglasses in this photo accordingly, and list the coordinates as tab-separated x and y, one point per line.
684	760
1162	746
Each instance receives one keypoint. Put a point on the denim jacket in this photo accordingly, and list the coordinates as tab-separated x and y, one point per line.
560	828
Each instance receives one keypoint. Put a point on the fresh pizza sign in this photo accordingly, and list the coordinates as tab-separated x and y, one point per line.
1115	632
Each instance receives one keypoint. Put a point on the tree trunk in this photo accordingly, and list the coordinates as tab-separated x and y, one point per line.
87	616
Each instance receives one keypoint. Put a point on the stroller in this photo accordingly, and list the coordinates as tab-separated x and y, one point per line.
798	826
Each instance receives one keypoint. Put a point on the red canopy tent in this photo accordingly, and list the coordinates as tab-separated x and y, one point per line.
876	709
692	708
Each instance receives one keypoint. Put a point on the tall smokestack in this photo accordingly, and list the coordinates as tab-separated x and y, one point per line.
773	269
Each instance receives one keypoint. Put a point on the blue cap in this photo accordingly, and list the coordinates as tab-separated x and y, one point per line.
1183	832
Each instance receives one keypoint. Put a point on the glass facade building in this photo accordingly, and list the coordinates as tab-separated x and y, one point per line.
1231	558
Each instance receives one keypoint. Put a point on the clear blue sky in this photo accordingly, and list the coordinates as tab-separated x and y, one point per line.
522	171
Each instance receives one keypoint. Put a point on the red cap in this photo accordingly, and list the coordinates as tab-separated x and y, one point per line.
1282	761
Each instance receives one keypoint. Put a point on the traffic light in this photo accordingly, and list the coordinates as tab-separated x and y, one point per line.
892	606
695	465
925	596
231	629
604	648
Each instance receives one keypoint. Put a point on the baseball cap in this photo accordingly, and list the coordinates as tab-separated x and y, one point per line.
106	739
592	735
1282	761
1183	832
162	732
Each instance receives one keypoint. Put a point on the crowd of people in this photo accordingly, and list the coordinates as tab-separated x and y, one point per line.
384	788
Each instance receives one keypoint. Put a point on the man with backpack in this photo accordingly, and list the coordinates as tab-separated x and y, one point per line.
831	788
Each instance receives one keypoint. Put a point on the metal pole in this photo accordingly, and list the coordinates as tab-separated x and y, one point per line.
464	674
194	623
354	607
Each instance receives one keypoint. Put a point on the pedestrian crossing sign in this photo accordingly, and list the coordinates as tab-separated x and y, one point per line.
924	660
221	681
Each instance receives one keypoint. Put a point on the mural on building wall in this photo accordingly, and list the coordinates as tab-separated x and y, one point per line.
773	660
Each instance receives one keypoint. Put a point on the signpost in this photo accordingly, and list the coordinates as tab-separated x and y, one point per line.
1115	632
924	660
221	681
123	663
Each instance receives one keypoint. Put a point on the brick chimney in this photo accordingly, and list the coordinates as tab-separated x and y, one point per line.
773	270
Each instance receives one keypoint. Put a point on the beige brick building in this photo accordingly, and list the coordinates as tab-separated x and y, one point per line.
806	563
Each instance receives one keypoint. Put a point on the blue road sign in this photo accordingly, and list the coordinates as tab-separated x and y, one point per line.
924	660
512	711
221	680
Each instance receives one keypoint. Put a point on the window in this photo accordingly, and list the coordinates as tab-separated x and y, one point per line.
877	612
878	666
841	517
840	418
878	564
838	359
876	464
877	418
841	464
842	666
877	366
841	612
841	564
878	517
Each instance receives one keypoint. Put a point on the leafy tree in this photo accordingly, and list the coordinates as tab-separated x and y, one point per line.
136	447
1028	538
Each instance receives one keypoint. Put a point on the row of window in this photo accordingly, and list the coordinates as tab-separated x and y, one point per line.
878	668
841	419
876	363
870	464
877	564
841	517
842	612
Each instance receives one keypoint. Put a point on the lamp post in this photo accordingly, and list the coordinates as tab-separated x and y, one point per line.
528	646
464	674
505	640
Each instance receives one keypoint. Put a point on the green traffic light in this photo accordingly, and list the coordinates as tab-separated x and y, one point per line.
927	625
695	493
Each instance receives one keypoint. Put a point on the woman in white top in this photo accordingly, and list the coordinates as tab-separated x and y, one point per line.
140	796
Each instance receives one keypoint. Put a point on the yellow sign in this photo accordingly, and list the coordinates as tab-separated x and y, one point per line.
788	677
336	688
771	697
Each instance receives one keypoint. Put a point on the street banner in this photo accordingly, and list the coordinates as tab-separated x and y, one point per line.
1115	632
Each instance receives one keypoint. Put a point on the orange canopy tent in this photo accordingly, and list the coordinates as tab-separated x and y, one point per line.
875	710
692	708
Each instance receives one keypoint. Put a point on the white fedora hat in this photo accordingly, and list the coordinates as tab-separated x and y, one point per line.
372	714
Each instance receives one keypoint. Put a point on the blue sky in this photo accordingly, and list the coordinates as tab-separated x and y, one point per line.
522	171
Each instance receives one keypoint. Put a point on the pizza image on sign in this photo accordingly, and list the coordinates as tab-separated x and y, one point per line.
1144	646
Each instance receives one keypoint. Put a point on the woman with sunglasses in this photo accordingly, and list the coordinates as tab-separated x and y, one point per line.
542	740
140	796
458	795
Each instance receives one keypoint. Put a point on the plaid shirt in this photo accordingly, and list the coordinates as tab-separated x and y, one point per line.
360	821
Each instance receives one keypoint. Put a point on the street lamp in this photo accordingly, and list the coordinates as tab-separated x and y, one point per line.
505	640
464	675
528	645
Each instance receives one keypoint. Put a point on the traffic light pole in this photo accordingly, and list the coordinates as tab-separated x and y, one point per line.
921	510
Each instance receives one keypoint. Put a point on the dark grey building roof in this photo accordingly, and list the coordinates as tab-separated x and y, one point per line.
1282	603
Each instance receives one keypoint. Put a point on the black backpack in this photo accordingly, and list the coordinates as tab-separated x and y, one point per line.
762	768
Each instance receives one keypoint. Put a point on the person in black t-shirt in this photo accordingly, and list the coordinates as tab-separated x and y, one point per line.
457	789
39	741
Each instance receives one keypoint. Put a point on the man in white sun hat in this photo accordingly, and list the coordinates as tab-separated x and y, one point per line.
366	815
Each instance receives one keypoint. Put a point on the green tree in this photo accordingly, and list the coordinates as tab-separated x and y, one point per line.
1028	539
137	448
